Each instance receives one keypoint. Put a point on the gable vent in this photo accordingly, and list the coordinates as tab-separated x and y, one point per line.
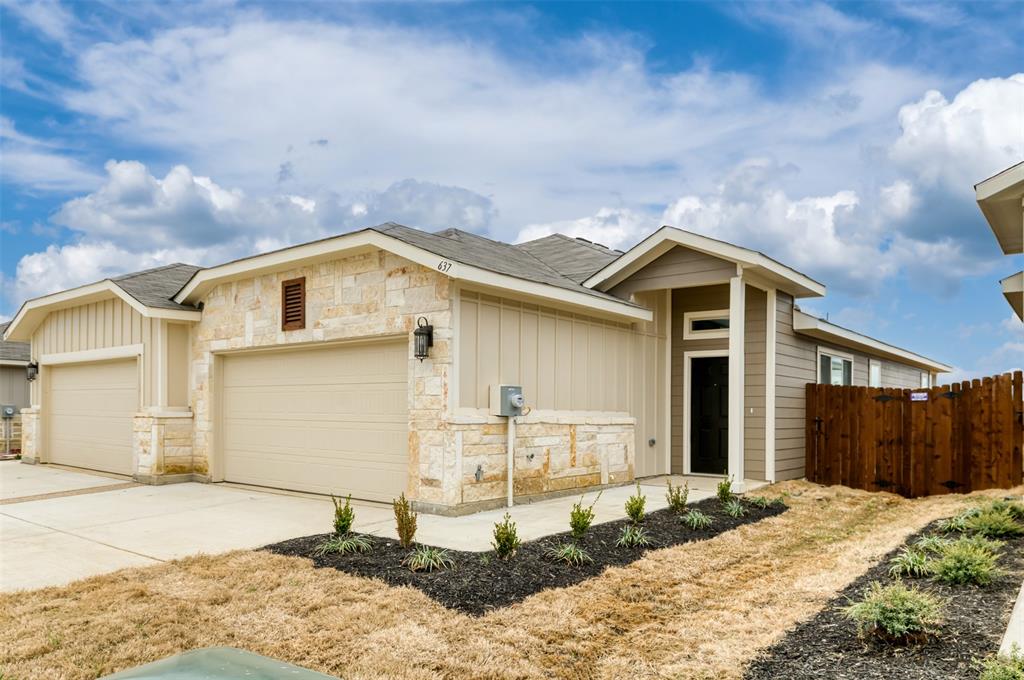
293	304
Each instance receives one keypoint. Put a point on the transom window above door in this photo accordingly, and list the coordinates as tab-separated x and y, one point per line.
834	368
709	324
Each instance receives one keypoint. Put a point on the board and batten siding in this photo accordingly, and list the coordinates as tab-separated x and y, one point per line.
14	387
114	323
796	364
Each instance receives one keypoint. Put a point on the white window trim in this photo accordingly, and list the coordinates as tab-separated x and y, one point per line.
828	351
871	364
699	316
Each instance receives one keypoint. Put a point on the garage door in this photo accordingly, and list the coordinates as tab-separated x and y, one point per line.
90	409
328	420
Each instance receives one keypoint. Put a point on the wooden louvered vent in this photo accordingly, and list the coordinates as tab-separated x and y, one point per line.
293	304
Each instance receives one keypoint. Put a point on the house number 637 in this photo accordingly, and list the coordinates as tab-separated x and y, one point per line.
444	266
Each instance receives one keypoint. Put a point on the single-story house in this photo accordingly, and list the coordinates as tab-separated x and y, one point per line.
1001	199
14	357
297	368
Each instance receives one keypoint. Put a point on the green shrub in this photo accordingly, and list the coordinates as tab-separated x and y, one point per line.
344	515
506	538
931	543
990	544
635	506
910	563
632	536
426	558
343	544
581	518
695	519
965	562
1004	667
677	497
896	613
733	508
992	523
405	521
1014	509
570	553
958	522
725	490
759	502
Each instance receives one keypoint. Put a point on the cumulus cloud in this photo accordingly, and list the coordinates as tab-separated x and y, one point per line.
40	165
613	227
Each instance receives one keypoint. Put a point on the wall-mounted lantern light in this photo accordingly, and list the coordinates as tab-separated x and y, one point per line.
32	371
423	338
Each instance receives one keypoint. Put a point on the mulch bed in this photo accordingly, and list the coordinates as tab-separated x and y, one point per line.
827	646
479	582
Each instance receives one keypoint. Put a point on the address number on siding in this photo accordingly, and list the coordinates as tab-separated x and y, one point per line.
444	266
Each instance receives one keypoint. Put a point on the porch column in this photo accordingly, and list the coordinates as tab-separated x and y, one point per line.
737	318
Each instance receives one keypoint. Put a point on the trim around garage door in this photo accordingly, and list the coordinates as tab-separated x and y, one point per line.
89	355
315	417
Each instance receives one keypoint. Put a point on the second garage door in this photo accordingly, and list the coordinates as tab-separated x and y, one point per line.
328	420
90	408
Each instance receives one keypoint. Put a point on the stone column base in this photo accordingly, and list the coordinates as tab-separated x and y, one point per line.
30	423
162	447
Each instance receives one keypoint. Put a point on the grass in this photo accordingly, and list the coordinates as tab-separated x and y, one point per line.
698	610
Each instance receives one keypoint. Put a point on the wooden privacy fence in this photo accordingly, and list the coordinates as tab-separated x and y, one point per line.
950	439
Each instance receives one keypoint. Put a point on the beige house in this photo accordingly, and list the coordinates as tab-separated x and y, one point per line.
1001	199
297	369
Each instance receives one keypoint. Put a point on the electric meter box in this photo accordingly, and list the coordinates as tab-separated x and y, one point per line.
8	410
507	400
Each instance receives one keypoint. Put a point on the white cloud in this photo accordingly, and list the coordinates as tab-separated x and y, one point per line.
47	17
613	227
40	165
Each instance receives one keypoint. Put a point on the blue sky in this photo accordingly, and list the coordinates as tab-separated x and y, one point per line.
843	139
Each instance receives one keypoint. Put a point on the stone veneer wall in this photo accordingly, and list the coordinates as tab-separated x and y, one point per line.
30	423
162	446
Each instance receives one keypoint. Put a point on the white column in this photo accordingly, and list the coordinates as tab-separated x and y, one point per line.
769	387
737	314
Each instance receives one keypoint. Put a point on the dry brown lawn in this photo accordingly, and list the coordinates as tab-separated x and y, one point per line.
700	610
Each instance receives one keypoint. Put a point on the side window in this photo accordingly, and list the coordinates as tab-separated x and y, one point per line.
707	325
874	373
834	368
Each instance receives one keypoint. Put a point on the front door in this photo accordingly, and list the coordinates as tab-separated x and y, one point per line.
709	415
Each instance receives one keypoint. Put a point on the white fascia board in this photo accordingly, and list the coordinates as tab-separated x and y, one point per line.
1013	291
666	238
1000	182
205	279
823	330
1001	200
13	362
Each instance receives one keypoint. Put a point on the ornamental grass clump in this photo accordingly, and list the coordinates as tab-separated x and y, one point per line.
635	505
897	614
912	562
570	553
633	536
759	502
580	518
677	497
344	515
427	558
345	544
405	521
966	562
506	538
734	508
696	520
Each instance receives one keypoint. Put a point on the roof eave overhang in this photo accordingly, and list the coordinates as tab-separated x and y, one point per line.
13	362
664	239
1001	200
812	326
204	280
1013	291
32	312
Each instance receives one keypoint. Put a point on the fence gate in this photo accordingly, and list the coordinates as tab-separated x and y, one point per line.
949	439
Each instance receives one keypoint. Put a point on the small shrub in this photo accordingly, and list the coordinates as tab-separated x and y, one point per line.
343	544
506	538
695	519
910	563
896	613
993	524
1003	667
426	558
989	544
405	521
963	562
759	502
344	515
677	497
931	543
725	490
581	518
632	536
1014	509
957	524
570	553
635	505
733	508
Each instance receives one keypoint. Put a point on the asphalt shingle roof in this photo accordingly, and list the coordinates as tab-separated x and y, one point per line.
156	287
576	258
13	351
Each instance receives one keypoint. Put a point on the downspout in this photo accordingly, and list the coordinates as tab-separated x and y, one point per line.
510	453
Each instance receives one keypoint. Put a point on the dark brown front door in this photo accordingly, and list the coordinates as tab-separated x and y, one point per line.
709	415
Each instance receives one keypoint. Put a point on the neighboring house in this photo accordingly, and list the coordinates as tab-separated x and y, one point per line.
14	357
295	369
1001	199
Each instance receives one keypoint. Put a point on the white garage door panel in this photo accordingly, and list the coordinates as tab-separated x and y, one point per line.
331	420
90	410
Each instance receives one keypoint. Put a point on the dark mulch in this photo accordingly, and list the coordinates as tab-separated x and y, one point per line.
827	646
480	582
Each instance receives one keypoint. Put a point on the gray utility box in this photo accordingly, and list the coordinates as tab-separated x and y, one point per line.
507	400
8	410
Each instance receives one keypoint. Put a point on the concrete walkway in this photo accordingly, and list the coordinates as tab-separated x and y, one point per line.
86	524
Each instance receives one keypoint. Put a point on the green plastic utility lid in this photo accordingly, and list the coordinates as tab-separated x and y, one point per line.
218	663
